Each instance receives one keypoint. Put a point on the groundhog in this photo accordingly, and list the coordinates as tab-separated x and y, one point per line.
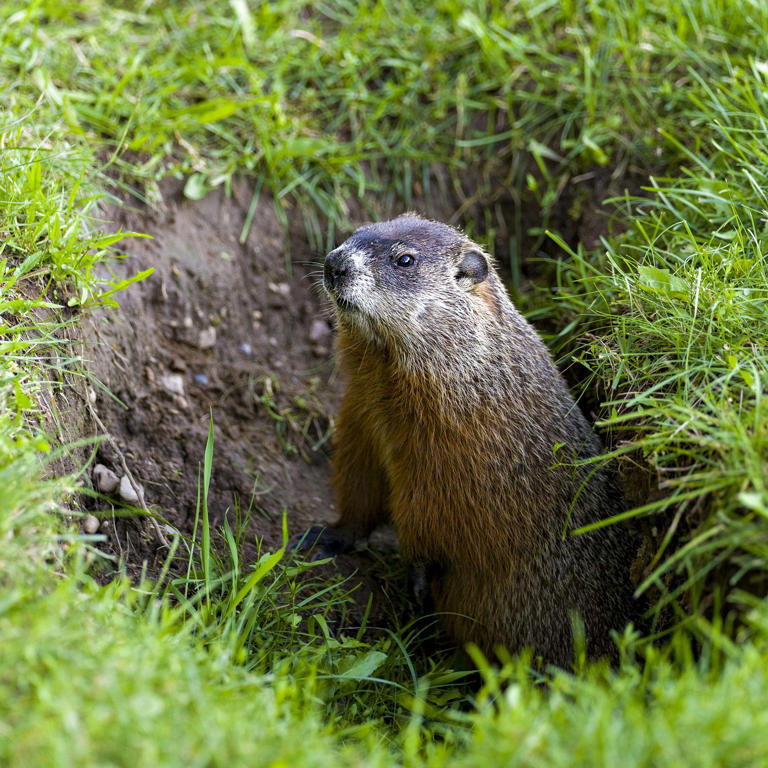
457	427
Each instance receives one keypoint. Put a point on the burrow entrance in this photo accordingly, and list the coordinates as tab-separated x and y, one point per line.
239	331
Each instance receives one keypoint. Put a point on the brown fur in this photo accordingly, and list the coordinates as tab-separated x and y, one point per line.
448	428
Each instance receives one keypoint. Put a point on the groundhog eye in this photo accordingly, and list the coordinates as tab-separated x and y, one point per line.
405	260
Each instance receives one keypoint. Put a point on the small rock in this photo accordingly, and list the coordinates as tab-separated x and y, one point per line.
319	350
150	374
201	379
126	490
319	330
173	383
90	524
91	396
178	364
105	479
245	349
207	338
281	289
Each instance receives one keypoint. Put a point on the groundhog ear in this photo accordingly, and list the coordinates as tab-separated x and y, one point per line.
473	267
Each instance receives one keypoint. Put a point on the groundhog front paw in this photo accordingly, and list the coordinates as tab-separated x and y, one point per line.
322	541
417	576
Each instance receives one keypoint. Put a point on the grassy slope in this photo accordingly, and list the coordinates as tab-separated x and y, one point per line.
363	100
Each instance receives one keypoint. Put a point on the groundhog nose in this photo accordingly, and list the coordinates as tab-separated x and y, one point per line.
334	269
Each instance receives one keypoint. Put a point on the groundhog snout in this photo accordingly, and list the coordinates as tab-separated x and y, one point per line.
335	271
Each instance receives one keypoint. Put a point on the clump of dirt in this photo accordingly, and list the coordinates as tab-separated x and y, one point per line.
239	331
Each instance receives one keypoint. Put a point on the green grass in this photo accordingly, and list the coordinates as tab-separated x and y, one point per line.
496	109
111	676
676	313
234	665
50	244
321	103
662	716
109	681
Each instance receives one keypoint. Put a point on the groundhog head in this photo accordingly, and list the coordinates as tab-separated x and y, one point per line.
406	278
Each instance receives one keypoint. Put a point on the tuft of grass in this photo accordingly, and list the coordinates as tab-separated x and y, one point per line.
274	613
71	695
659	713
672	323
50	247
